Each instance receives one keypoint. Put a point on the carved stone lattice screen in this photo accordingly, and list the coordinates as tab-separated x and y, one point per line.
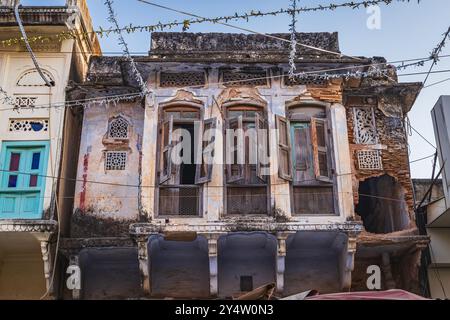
25	102
370	160
182	79
296	81
28	125
116	160
246	79
118	128
365	126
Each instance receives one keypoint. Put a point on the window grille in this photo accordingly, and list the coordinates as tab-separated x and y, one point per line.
116	160
182	79
370	160
312	81
28	125
118	128
25	102
249	79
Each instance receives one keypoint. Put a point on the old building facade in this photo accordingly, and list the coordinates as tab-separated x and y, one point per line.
37	144
315	189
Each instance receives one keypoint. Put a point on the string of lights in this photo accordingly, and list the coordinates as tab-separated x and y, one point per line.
271	36
185	24
126	53
436	52
133	96
293	53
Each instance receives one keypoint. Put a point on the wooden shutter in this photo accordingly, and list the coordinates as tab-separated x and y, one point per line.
262	145
284	149
203	173
165	171
319	137
235	160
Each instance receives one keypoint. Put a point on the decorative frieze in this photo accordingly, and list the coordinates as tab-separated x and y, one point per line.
28	125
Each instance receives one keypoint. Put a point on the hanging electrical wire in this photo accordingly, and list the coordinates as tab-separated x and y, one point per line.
48	82
5	98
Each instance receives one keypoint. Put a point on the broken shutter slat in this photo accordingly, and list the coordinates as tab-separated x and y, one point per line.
319	137
166	151
235	149
284	149
206	143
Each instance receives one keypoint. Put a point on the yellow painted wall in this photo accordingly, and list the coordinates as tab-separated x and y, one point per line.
21	278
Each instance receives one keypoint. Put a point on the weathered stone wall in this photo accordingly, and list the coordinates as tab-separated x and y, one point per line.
106	201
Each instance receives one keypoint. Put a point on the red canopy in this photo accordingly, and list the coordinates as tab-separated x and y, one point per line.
369	295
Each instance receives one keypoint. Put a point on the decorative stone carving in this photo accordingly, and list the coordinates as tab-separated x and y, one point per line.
365	126
281	260
347	263
240	226
48	265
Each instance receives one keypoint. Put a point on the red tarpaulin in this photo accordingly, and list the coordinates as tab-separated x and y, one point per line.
369	295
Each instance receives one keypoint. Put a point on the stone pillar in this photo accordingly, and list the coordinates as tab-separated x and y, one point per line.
213	268
144	266
48	265
389	281
281	260
347	262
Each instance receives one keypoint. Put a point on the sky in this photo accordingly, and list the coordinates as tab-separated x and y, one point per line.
407	31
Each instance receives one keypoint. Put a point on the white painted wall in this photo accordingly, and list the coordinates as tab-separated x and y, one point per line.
12	66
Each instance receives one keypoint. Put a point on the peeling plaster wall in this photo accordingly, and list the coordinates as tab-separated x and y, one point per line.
101	208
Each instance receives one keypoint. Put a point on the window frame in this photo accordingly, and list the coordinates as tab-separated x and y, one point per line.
295	118
162	182
24	145
260	115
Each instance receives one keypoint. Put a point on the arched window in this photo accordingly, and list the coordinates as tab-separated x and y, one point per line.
32	78
118	128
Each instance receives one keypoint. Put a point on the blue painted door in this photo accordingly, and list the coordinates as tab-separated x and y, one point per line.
22	183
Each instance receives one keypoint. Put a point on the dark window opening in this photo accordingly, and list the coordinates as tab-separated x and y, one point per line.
382	205
179	192
246	283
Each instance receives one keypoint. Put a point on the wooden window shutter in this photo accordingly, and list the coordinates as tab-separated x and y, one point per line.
235	141
203	174
284	149
319	137
262	143
165	171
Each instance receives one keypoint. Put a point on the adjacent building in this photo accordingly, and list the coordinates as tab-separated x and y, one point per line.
435	214
38	139
315	190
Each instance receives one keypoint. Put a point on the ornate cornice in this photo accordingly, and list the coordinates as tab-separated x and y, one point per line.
243	226
44	226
